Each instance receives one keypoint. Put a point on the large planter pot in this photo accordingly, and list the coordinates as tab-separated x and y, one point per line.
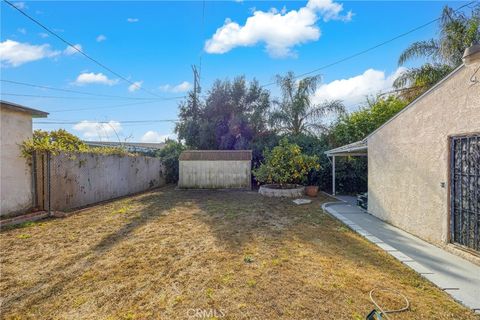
287	191
311	191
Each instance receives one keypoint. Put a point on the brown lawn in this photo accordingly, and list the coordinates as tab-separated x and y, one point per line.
203	254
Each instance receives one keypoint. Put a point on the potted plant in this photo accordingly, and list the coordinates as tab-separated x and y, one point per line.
311	189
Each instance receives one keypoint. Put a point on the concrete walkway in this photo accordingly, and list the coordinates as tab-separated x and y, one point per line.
455	275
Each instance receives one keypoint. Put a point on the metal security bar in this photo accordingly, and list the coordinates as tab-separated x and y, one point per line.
465	191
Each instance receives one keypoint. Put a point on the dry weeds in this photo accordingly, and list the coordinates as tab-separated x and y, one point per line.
203	254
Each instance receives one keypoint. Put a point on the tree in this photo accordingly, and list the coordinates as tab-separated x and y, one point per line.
295	113
285	164
359	124
456	33
232	114
169	154
351	173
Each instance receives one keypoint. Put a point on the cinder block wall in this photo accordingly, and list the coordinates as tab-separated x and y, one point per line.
408	159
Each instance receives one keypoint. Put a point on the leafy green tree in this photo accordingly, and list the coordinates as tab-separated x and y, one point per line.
285	164
169	154
351	172
457	31
359	124
232	114
295	113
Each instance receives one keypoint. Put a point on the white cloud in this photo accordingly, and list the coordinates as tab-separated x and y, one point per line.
132	20
135	86
13	53
279	30
154	136
43	35
101	38
182	87
354	90
20	5
96	78
69	51
98	130
22	30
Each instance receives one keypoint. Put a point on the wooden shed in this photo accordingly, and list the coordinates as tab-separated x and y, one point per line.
215	169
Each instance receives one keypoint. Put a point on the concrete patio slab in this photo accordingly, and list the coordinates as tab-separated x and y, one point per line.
458	277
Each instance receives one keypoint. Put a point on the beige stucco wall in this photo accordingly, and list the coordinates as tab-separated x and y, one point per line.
408	157
15	173
215	174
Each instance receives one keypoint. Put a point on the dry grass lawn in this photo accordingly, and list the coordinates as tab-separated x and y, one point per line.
202	254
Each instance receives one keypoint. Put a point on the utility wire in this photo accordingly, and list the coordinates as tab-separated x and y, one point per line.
105	107
73	98
52	97
80	51
371	48
76	91
104	122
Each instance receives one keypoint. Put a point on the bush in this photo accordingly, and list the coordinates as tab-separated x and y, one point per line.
285	164
169	155
53	141
62	141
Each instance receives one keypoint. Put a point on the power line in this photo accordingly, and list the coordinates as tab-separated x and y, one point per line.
72	91
71	98
78	50
104	122
371	48
105	107
51	97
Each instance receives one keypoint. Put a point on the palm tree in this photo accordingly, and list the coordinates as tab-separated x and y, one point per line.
457	32
295	113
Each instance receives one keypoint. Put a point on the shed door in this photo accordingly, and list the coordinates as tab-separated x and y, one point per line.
465	191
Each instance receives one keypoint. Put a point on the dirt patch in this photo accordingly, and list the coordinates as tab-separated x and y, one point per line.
173	254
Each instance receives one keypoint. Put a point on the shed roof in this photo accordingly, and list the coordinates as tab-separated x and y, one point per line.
34	112
216	155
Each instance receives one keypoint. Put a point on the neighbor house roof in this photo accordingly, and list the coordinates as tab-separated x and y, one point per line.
16	107
215	155
353	149
128	145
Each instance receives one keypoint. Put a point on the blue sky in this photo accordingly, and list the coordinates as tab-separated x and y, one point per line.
155	43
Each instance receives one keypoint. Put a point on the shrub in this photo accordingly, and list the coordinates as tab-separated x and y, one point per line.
285	164
169	155
62	141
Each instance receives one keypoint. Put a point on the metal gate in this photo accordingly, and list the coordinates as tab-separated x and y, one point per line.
465	191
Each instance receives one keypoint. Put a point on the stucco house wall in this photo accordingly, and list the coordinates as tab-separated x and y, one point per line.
408	158
15	173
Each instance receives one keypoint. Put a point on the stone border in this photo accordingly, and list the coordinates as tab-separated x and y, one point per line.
267	191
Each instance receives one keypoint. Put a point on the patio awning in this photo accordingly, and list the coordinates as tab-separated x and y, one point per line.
358	148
